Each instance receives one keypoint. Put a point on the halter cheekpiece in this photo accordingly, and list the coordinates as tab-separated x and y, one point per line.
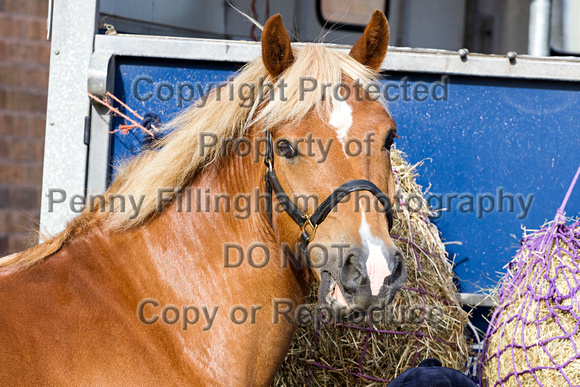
304	220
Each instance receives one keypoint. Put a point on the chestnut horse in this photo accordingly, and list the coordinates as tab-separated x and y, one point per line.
153	298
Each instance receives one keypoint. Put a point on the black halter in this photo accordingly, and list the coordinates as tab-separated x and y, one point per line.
303	220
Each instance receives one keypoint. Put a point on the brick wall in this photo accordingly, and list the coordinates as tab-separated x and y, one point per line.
24	59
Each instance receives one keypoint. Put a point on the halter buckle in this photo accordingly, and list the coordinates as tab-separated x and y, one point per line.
270	167
309	223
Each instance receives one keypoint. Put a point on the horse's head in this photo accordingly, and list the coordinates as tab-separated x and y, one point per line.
351	252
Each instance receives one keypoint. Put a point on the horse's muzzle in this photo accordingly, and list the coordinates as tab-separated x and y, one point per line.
351	285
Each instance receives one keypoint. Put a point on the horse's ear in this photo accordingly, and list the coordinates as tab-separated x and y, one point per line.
371	48
276	49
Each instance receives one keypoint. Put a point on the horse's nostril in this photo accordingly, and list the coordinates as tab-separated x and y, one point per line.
399	271
351	273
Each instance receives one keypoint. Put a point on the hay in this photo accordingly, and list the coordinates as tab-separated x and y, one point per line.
534	337
424	320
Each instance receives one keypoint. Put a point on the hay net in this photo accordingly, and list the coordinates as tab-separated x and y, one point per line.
533	336
365	353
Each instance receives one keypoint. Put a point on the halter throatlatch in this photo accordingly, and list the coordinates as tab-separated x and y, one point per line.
312	221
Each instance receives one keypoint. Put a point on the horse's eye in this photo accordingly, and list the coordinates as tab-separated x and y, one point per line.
286	149
389	140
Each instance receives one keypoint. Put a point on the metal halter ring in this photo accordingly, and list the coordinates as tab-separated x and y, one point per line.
314	228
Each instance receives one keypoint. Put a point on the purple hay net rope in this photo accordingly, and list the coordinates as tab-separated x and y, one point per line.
370	331
531	270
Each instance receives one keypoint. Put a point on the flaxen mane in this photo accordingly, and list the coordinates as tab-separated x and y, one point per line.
177	158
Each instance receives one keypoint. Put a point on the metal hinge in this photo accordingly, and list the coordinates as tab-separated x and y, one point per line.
87	137
49	20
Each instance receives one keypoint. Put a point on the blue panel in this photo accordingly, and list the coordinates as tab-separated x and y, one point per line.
160	87
519	136
481	138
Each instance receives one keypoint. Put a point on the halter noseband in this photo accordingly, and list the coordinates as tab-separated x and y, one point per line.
303	219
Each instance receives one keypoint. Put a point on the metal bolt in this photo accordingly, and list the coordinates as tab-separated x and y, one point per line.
463	54
56	52
512	56
51	123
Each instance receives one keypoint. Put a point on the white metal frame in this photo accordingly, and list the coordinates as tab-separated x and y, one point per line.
107	47
72	30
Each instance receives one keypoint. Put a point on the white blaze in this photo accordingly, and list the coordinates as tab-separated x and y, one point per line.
341	120
377	266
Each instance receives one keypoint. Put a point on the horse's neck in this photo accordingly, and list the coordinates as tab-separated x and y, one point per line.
188	242
177	259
